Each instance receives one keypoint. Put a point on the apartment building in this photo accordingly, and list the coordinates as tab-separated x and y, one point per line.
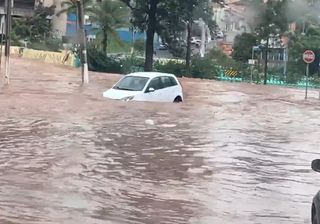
231	19
59	22
21	8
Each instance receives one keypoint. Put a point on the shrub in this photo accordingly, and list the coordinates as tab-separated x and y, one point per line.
51	44
293	78
132	64
99	62
172	67
204	68
139	45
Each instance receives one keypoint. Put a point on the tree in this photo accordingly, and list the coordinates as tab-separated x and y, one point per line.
297	45
71	6
109	15
190	10
36	27
173	29
242	47
272	24
254	9
180	18
145	17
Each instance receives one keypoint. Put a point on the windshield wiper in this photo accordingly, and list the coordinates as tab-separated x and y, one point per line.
119	88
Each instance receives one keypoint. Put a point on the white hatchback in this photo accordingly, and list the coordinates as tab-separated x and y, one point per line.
147	86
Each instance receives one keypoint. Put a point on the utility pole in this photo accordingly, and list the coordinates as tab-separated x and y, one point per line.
266	62
83	42
203	39
1	44
8	6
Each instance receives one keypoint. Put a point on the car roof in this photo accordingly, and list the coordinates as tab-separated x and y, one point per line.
150	75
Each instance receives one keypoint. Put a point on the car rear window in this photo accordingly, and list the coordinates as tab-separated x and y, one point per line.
173	81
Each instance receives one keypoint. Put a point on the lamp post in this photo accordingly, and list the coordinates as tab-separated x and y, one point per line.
8	7
83	42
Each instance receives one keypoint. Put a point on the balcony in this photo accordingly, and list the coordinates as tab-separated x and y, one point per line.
20	8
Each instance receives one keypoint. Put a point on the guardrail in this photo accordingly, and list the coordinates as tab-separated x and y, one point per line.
272	80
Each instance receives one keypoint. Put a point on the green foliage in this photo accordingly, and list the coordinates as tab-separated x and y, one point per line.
140	46
178	14
71	6
172	67
140	12
50	44
146	16
204	68
294	77
273	20
98	61
208	67
297	45
116	48
132	64
220	59
109	15
168	19
242	47
34	28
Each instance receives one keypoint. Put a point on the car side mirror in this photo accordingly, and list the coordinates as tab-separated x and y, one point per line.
151	90
315	165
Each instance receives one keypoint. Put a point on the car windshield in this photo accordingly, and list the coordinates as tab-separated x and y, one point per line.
132	83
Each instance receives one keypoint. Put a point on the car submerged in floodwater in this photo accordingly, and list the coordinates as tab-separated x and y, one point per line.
147	86
315	211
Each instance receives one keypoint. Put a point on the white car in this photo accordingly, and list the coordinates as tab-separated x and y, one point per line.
147	86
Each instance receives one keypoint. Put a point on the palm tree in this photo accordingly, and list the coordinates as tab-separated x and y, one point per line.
71	6
110	15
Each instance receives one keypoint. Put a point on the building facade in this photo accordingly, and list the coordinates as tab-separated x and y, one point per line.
59	22
20	8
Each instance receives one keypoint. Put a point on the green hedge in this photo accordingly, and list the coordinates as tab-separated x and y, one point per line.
51	44
99	62
204	68
173	67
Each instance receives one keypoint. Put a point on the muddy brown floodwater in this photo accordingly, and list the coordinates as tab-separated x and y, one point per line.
232	153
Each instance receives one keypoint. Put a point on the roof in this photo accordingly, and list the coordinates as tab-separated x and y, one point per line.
150	74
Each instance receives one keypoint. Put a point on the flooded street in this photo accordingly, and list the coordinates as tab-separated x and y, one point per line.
232	153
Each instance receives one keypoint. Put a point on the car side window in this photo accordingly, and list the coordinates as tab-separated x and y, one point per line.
166	81
156	83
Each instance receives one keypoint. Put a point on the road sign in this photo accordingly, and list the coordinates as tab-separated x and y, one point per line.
309	56
252	62
231	72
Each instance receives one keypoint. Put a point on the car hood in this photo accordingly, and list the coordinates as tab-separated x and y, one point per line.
117	94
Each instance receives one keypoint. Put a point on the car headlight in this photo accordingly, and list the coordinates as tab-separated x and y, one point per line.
128	98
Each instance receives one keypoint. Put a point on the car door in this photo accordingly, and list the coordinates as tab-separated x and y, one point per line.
176	88
171	88
168	89
156	95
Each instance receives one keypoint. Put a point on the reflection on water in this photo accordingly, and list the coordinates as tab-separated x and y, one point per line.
229	154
